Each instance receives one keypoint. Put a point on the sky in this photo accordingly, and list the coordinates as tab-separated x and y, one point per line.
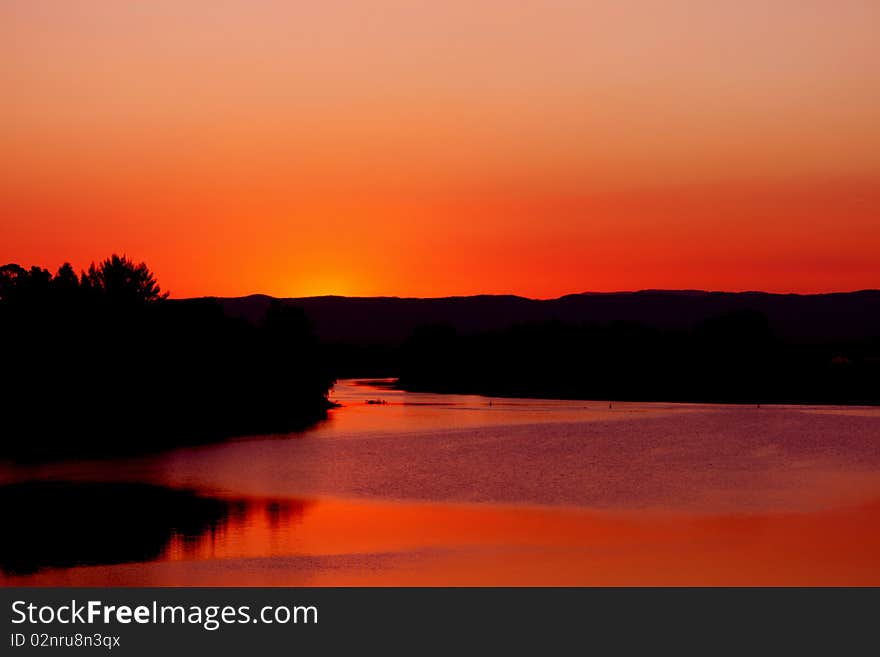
403	147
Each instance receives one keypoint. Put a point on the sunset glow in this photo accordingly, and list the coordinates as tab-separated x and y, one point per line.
428	149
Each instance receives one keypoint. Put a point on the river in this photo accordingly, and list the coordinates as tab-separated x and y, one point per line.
429	489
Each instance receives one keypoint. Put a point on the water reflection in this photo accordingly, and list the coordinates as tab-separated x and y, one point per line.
50	525
199	541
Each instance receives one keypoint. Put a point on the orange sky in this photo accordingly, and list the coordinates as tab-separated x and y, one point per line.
431	148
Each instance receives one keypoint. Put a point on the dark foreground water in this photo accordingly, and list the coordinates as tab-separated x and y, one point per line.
449	489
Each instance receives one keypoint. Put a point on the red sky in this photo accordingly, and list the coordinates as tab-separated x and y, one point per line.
428	148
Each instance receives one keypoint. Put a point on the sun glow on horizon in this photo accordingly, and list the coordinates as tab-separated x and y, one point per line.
380	148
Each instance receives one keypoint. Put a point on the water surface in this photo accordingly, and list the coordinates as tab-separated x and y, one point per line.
451	489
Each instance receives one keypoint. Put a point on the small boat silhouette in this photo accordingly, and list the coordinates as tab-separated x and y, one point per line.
381	402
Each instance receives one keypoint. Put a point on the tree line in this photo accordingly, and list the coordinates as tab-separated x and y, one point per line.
104	363
731	358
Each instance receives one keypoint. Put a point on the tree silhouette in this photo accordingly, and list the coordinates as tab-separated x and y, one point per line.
105	365
65	281
122	281
12	278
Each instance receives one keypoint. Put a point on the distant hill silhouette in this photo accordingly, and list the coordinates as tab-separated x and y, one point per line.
795	317
658	345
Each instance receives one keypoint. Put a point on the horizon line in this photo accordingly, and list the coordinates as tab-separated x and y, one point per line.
694	291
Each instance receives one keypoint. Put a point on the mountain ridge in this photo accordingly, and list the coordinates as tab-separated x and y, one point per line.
389	319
